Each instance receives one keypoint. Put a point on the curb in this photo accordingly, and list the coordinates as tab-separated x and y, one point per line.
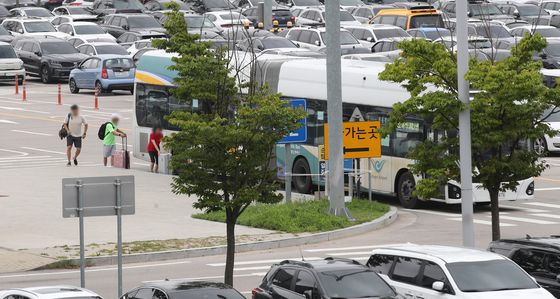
376	224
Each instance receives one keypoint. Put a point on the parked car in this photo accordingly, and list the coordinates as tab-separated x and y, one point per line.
227	19
9	4
549	144
478	45
314	38
530	13
118	24
128	38
445	272
281	14
82	3
477	9
87	30
59	20
259	44
365	13
296	4
103	73
184	289
5	36
139	45
497	33
105	7
49	292
196	24
155	5
48	58
251	3
94	49
548	32
32	12
10	64
317	15
322	279
430	33
31	27
75	13
203	6
370	34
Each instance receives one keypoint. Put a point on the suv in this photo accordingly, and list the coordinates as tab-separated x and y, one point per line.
477	9
530	13
411	15
48	58
314	38
10	65
540	257
322	279
118	24
445	272
31	27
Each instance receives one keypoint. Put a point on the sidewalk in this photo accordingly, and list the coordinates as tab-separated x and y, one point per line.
31	214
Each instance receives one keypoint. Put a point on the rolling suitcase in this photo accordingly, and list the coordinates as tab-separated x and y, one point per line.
163	163
121	157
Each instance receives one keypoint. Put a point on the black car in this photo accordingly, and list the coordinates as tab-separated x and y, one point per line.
322	279
105	7
202	6
118	24
540	257
550	56
48	58
280	14
175	289
9	4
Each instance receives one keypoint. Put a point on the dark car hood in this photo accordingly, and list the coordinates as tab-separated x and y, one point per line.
76	57
542	20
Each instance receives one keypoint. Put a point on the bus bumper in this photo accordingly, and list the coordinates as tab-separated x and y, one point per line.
525	191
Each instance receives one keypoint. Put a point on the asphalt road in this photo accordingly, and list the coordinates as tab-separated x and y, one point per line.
29	129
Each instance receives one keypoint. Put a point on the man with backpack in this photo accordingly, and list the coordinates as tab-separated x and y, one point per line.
107	133
73	125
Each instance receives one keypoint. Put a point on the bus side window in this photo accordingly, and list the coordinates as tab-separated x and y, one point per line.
408	135
316	118
385	141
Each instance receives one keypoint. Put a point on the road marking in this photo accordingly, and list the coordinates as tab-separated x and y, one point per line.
43	150
347	248
93	270
23	110
20	154
432	212
29	117
25	158
32	133
5	121
548	189
528	220
542	204
33	162
522	209
547	179
483	222
264	261
547	215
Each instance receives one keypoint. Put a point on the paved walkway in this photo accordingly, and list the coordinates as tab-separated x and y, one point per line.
12	261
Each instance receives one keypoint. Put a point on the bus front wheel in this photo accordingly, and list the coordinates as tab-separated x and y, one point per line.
405	187
302	184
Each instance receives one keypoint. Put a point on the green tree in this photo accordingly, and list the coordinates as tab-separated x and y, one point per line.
223	153
506	113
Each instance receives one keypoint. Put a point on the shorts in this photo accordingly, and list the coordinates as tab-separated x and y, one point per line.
108	150
154	157
75	141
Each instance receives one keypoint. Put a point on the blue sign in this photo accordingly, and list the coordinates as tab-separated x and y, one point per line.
299	135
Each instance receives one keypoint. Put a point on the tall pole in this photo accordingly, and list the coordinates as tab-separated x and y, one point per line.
267	14
464	125
80	187
118	207
334	110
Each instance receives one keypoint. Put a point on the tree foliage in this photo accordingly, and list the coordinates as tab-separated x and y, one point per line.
223	153
510	101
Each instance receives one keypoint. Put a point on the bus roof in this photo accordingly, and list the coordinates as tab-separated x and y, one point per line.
152	68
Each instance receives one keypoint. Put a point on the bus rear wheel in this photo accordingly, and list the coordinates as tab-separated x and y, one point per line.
302	184
405	187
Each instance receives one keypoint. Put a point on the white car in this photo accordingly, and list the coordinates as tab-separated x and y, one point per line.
82	3
76	13
227	19
10	64
49	292
139	45
86	30
317	15
445	272
550	144
314	38
32	27
94	49
368	35
31	12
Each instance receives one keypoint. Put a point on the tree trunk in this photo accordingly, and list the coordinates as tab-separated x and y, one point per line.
495	206
230	255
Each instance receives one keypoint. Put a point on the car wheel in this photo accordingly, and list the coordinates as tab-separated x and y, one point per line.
540	147
405	188
302	184
45	74
99	88
73	87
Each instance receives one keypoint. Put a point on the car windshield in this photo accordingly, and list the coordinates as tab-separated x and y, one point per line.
437	33
346	38
6	51
275	43
307	2
198	22
351	2
209	293
118	63
38	12
548	32
344	16
88	29
218	4
553	49
492	31
485	10
143	22
480	44
77	10
32	27
552	115
128	4
354	283
426	21
389	33
490	276
57	48
530	10
111	49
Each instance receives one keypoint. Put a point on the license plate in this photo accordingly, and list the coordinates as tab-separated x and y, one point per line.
121	74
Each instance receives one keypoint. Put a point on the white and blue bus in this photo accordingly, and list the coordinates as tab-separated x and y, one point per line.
362	92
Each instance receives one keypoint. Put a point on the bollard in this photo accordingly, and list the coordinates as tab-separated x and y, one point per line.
17	85
59	95
96	100
24	94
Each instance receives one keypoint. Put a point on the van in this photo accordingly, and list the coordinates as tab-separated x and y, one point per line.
410	16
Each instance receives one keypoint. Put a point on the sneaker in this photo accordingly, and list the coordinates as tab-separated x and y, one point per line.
68	164
75	161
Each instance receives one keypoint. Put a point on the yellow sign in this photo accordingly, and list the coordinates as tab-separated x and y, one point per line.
322	153
359	140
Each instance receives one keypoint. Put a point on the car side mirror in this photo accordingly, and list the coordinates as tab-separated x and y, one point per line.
469	14
516	14
317	43
37	53
260	47
438	286
125	27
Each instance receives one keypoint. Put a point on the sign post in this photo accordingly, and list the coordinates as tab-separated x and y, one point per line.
98	196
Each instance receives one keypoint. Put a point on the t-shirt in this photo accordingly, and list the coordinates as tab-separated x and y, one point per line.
157	138
75	125
109	137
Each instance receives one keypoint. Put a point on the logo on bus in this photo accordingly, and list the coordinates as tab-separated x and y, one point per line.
378	165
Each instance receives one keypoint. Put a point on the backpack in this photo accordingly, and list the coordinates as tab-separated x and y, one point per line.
101	133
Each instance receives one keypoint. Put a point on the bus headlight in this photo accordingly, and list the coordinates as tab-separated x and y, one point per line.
453	191
531	189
